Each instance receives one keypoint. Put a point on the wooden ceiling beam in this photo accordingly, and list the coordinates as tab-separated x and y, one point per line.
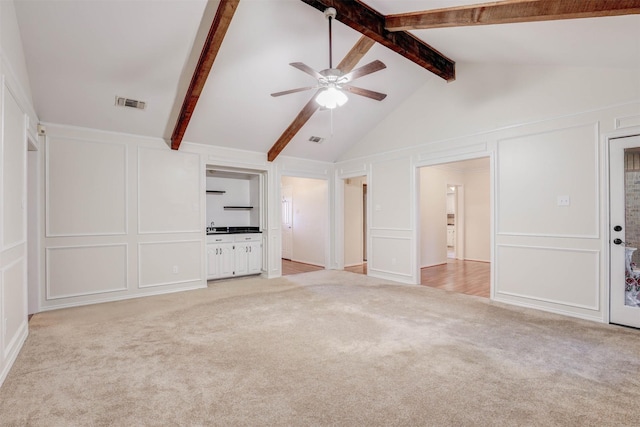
217	32
357	52
510	11
371	23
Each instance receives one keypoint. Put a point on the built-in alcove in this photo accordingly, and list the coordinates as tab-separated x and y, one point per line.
233	198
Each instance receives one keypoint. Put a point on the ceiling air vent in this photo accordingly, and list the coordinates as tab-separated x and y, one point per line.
316	139
131	103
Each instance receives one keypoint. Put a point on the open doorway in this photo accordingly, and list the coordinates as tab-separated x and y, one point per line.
355	224
305	221
455	224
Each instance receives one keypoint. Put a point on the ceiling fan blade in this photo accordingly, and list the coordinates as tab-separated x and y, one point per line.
287	92
306	69
365	92
371	67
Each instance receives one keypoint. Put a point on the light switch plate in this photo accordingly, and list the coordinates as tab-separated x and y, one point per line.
564	200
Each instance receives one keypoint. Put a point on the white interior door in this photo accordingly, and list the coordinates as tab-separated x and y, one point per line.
624	231
287	222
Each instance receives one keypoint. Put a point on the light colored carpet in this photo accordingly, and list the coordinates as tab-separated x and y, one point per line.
321	348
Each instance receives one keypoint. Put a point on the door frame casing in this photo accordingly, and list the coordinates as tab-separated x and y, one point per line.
416	165
606	211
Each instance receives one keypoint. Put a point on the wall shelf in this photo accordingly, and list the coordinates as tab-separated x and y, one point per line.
216	191
238	207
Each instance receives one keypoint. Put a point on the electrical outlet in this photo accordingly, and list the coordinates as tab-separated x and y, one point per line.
564	200
175	269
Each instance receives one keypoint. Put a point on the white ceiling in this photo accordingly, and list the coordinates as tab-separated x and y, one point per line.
81	54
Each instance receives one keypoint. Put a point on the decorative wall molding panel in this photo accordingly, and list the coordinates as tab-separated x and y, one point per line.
86	188
169	191
14	303
14	162
169	263
549	274
525	186
627	122
74	271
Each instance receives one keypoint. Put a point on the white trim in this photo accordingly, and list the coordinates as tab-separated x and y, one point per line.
200	199
49	249
412	149
596	148
595	252
162	291
165	242
492	155
47	168
11	352
619	121
19	92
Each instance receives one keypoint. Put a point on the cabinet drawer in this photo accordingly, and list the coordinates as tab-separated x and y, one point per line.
253	237
224	238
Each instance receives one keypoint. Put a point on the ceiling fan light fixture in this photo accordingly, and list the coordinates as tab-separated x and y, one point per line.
331	98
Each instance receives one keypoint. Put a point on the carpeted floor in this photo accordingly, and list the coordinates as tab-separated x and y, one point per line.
322	348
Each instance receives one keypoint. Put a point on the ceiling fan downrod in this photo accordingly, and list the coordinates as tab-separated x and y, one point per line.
330	14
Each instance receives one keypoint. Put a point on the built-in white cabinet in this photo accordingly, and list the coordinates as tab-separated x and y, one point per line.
451	235
248	254
231	255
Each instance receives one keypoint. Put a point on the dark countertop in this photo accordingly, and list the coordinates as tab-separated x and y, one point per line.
232	230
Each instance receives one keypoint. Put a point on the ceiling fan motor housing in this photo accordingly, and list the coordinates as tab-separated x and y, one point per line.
330	13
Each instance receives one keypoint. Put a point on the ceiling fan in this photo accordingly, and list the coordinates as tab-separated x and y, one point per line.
332	82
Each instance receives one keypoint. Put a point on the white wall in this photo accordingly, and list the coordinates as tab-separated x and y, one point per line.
353	221
310	219
123	217
477	215
433	213
544	129
17	123
236	194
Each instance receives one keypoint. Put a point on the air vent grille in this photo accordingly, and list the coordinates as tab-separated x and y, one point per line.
316	139
131	103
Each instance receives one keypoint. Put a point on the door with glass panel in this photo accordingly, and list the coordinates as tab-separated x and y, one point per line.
624	232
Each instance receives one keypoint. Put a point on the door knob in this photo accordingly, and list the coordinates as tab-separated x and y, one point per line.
617	241
617	228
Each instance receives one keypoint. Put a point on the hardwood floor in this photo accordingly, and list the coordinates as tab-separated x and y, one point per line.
360	269
292	267
465	277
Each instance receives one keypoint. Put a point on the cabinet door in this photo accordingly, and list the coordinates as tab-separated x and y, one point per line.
242	256
255	258
213	270
226	260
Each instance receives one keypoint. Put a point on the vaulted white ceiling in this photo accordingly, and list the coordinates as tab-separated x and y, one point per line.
81	54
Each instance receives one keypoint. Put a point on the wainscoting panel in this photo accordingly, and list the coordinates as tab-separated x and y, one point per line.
626	122
390	257
168	263
536	171
86	188
169	185
561	276
13	158
14	302
85	270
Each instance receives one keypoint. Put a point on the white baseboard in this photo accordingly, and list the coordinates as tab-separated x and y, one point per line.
13	352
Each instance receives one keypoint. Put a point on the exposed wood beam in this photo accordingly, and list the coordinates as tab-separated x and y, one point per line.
510	11
357	52
371	23
218	30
